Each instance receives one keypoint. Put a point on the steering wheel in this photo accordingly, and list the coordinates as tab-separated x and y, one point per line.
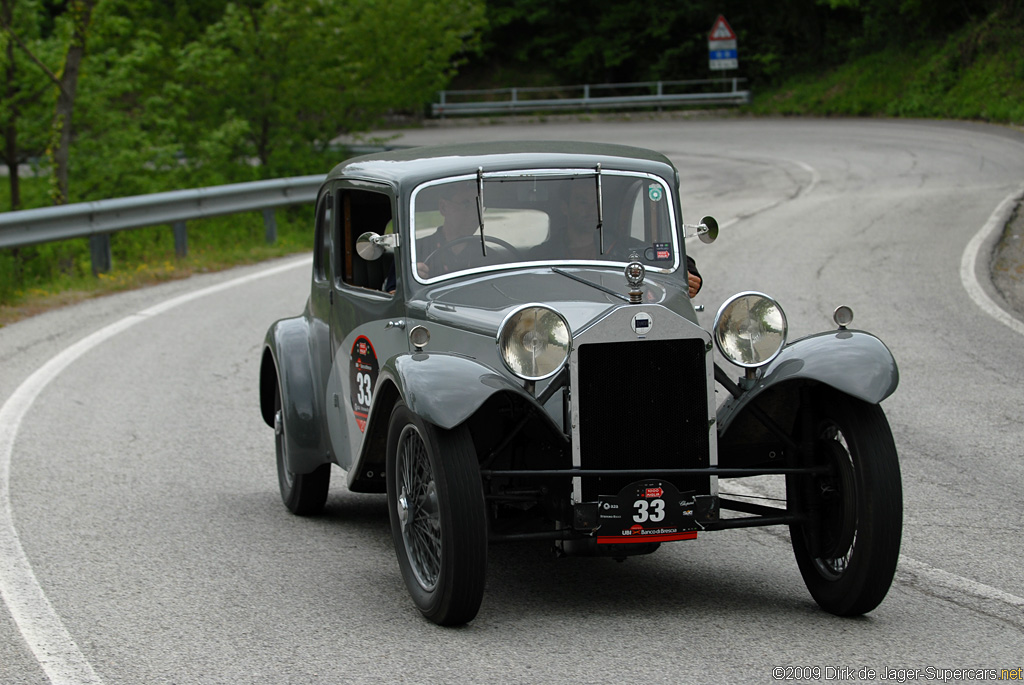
515	254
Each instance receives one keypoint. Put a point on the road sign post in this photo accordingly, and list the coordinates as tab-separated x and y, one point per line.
722	52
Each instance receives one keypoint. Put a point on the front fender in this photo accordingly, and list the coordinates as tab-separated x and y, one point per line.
853	362
444	389
287	362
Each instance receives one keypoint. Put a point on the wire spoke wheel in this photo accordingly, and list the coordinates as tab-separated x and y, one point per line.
436	504
417	508
837	501
847	552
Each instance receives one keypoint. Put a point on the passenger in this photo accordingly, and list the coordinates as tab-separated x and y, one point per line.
580	238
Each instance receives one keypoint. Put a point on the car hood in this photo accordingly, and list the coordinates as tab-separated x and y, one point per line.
481	304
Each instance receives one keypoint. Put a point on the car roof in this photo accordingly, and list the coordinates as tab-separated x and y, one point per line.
411	166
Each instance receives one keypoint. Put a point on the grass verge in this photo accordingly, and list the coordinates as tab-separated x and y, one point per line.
976	73
42	277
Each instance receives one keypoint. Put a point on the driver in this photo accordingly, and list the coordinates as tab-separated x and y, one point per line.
461	220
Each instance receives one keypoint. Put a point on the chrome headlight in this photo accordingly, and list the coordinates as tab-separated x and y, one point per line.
750	329
534	342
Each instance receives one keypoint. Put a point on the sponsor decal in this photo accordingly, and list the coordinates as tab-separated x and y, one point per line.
648	536
659	252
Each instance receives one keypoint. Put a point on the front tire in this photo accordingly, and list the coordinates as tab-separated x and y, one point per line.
438	521
304	494
848	555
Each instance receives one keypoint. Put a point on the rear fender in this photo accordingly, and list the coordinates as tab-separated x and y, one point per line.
287	366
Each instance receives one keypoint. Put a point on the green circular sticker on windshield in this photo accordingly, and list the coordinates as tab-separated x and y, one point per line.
654	192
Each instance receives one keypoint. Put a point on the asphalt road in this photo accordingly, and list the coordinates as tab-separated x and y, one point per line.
142	539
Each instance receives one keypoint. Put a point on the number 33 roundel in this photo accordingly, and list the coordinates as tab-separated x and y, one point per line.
362	379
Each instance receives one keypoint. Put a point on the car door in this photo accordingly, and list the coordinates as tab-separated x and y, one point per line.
366	318
321	351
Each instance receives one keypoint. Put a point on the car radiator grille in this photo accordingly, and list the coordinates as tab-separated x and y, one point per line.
642	405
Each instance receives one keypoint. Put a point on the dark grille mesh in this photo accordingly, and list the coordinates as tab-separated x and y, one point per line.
642	405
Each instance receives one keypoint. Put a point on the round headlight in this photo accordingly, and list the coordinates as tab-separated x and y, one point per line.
534	342
750	329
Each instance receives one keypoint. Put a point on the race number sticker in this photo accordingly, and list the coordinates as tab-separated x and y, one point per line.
647	511
362	379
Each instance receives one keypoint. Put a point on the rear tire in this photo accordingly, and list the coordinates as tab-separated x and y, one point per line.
438	516
304	494
848	556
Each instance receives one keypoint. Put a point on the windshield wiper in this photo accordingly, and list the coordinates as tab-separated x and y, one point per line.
590	283
600	210
480	207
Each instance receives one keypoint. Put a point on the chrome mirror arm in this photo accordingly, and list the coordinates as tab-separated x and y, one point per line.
706	230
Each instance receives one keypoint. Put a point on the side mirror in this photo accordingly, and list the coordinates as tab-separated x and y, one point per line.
371	246
706	230
710	234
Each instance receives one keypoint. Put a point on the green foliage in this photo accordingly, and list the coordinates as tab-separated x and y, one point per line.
974	73
622	40
275	83
25	98
192	93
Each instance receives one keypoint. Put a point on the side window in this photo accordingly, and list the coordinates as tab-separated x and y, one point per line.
360	211
322	240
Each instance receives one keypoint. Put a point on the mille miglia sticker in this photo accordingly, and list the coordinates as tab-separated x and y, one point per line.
362	379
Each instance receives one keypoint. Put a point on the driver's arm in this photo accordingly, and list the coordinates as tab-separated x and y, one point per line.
693	279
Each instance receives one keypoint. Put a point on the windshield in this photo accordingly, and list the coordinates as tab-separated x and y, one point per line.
579	217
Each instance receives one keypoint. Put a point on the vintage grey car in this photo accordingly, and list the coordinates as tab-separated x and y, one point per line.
500	337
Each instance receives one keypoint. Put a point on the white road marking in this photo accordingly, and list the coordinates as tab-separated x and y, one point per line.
802	191
40	626
815	177
910	571
972	253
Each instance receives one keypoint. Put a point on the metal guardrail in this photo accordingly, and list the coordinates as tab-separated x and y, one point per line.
98	219
46	224
653	94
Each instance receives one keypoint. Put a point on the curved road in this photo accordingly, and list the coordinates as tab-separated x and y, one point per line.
142	539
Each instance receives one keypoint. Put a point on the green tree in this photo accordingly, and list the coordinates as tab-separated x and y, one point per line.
274	83
125	120
23	102
75	20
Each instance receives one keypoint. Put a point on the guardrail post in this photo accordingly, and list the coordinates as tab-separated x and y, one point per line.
99	252
180	239
270	223
443	93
